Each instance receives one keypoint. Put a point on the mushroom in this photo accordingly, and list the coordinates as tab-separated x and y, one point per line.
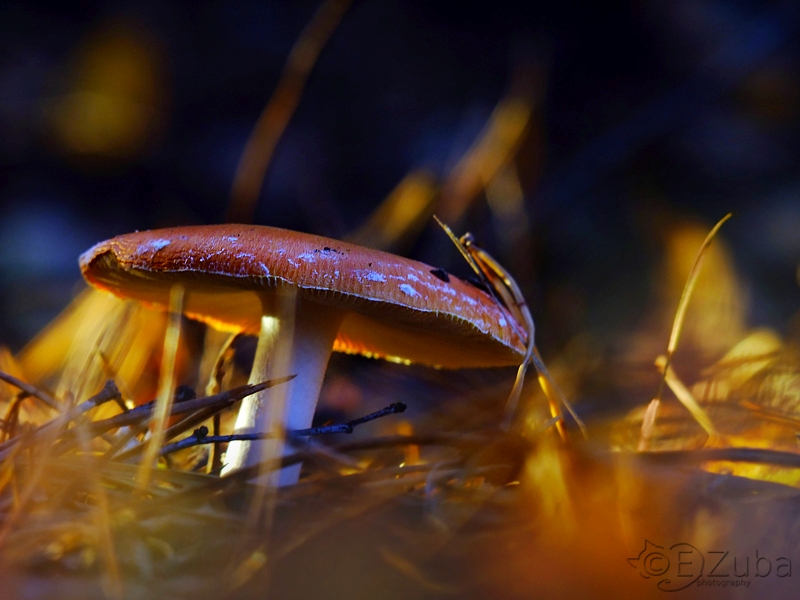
346	298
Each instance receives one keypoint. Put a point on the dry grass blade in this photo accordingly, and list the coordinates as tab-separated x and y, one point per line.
554	393
492	151
505	197
487	165
401	216
687	399
276	115
677	325
686	296
114	586
506	293
166	385
523	324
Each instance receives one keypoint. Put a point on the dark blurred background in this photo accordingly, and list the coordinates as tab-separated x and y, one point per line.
133	114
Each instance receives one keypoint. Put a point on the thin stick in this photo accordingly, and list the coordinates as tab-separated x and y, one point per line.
175	430
392	409
200	436
121	441
109	392
361	445
142	413
31	390
323	454
223	399
279	110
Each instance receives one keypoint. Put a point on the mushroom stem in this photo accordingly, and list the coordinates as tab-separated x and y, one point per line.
296	338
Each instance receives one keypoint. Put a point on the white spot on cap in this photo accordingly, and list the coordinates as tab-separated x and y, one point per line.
154	245
408	290
373	276
307	257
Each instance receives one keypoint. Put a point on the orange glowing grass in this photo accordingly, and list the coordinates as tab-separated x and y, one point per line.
279	110
98	337
488	166
492	152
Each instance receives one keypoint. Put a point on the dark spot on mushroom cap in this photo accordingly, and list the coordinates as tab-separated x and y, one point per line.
478	283
441	274
120	267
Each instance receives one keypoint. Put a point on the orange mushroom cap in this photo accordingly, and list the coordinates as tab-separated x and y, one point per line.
397	309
